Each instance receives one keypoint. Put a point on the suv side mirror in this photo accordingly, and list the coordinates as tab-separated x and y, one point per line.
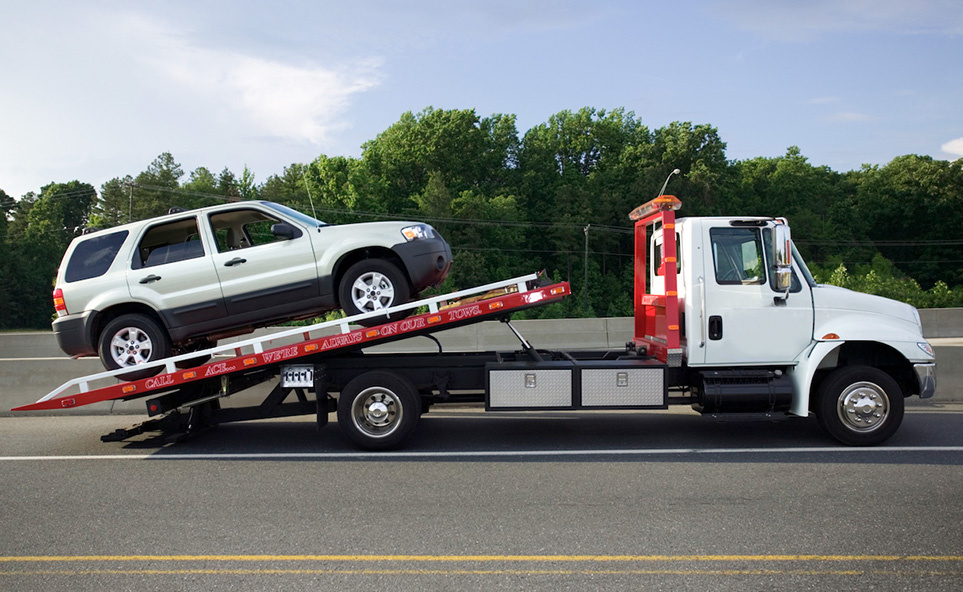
782	252
283	230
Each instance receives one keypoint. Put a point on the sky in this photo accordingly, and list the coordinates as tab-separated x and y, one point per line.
98	89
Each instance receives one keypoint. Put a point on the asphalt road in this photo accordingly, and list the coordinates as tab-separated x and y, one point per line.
640	501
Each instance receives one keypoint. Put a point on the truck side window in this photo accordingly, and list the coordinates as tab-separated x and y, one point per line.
168	243
657	257
738	256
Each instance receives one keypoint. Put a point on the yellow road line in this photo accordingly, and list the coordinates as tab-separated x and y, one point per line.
495	572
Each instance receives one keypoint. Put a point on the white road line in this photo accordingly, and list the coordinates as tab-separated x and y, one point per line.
484	453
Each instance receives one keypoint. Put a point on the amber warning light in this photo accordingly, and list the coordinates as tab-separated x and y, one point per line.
662	203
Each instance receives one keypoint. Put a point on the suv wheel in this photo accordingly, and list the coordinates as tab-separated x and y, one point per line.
371	285
131	340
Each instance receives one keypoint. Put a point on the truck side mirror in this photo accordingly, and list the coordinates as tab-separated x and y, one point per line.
782	252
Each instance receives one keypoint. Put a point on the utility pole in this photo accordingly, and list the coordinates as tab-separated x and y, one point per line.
585	302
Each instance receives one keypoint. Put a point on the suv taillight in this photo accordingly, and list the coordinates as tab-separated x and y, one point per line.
59	305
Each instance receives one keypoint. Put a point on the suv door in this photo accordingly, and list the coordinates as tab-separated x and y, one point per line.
171	269
264	274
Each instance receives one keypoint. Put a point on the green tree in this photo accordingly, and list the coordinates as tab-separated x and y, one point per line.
246	186
60	213
466	151
228	186
913	211
578	170
816	200
287	188
7	206
114	204
44	226
154	189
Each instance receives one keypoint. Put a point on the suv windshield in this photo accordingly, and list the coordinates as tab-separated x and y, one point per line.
302	218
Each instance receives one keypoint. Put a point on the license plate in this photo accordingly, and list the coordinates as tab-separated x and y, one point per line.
297	376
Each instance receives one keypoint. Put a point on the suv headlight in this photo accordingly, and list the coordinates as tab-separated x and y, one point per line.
417	232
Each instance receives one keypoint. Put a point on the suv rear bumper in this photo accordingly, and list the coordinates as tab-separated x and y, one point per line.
74	333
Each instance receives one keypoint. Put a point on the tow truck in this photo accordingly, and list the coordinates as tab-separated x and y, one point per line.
727	319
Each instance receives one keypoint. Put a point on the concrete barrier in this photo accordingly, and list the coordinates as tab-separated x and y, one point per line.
31	364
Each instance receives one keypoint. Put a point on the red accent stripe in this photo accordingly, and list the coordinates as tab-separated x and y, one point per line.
458	314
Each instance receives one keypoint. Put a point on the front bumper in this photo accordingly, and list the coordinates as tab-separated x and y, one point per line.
926	378
428	261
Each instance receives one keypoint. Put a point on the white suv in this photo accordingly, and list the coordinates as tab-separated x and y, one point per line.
174	284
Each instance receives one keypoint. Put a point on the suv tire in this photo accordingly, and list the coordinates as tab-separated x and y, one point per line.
131	340
370	285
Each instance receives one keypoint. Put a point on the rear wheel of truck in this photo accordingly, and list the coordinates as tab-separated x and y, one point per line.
378	410
859	405
131	340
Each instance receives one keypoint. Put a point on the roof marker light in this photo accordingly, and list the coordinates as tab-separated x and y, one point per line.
663	203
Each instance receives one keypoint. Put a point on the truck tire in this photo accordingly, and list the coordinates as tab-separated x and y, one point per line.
370	285
131	340
378	410
859	405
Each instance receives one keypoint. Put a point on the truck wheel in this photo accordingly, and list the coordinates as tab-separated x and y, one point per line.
859	405
131	340
378	410
370	285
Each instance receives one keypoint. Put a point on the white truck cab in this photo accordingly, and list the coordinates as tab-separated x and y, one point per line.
748	303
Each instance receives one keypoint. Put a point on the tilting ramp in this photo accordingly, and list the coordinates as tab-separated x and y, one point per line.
447	311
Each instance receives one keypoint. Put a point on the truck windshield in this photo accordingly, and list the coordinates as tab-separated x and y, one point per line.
802	267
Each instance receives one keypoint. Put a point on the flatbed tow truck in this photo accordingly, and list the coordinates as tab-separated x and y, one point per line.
790	348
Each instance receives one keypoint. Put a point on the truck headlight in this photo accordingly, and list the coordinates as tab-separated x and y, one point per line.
927	348
417	232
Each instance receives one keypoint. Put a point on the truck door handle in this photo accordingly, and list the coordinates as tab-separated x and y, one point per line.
235	261
149	279
715	327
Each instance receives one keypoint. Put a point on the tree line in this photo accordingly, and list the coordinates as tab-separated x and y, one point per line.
555	198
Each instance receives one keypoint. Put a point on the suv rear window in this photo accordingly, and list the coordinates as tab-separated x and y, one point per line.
92	257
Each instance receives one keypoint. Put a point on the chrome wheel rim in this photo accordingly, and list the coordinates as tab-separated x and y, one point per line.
863	407
131	347
372	291
377	412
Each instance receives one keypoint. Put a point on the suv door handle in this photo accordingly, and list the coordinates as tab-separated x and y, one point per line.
235	261
150	278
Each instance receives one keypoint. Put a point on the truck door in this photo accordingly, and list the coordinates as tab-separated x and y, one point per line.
746	320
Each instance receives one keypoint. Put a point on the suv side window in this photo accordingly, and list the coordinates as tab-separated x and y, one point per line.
242	228
92	257
167	243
